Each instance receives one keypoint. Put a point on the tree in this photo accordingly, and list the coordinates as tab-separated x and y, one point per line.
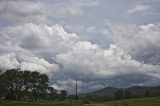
127	95
26	83
11	81
39	84
16	85
52	93
119	94
2	86
147	93
63	94
43	85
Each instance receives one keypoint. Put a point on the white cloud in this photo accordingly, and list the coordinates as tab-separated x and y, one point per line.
65	57
34	37
8	61
89	63
27	46
12	60
34	11
139	8
22	11
139	41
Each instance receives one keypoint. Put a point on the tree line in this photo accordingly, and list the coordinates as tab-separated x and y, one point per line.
26	85
119	94
128	94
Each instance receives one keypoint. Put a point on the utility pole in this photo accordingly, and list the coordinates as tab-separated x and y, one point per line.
76	96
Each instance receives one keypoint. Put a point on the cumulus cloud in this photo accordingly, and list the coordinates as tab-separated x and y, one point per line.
99	34
22	11
139	41
110	67
39	37
28	46
23	62
66	58
34	11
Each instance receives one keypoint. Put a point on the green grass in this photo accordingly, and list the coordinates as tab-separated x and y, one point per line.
154	101
51	103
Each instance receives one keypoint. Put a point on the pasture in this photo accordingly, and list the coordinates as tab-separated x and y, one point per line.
151	101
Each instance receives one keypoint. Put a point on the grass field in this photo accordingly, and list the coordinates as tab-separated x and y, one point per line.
53	103
132	102
153	101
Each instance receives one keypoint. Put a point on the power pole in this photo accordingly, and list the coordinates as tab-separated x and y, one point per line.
76	96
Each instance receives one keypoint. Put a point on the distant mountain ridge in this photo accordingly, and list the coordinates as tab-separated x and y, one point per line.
109	93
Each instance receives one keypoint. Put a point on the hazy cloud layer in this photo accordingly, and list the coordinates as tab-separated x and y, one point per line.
85	41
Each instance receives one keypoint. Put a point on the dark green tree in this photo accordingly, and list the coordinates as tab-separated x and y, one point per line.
119	94
11	81
2	86
147	93
26	83
63	94
52	93
39	84
127	94
17	85
43	85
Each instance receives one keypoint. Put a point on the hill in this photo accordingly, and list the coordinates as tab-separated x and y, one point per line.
111	93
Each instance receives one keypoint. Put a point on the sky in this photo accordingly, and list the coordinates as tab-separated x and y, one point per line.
98	43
